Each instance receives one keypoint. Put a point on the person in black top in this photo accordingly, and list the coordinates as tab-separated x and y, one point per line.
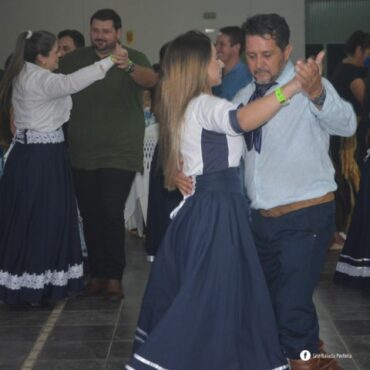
348	79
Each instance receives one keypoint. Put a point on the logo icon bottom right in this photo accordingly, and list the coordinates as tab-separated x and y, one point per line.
305	355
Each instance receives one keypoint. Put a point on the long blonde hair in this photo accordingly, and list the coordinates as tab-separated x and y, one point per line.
184	76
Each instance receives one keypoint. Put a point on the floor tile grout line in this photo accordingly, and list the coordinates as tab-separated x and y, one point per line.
114	333
30	361
323	307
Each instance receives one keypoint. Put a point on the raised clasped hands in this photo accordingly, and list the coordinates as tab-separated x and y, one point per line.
120	56
308	74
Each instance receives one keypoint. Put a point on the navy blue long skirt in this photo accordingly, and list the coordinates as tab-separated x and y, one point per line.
206	305
353	268
40	253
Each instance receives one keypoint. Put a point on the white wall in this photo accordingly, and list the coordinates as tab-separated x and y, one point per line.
153	22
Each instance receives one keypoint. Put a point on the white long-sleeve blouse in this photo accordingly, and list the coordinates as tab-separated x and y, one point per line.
41	99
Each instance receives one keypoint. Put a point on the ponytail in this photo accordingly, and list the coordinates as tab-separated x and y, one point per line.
28	46
12	69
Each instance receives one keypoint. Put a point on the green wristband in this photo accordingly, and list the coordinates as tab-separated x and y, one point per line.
131	67
281	97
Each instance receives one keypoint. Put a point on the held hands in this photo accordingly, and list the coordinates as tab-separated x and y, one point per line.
120	57
308	74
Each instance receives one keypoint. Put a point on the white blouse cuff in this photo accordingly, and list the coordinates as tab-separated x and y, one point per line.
105	64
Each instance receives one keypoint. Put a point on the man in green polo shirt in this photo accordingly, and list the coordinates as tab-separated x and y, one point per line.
105	135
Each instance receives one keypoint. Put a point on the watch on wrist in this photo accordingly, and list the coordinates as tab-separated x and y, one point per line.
130	67
319	100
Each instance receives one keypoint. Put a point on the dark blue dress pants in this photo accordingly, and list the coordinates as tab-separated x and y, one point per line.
292	251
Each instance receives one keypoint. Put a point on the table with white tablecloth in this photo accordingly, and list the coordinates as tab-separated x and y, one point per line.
137	201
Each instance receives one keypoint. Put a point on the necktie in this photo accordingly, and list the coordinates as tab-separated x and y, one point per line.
254	138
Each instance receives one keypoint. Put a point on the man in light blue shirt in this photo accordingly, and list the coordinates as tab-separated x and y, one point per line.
294	164
290	182
229	45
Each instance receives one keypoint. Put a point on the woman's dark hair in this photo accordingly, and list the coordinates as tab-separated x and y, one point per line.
28	46
107	15
77	37
357	39
162	52
273	25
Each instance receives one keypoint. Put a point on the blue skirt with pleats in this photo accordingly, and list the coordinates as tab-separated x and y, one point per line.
40	250
206	305
353	268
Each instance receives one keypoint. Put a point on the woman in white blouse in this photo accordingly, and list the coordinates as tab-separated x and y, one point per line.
40	253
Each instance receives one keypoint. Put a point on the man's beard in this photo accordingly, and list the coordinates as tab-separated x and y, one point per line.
263	76
103	46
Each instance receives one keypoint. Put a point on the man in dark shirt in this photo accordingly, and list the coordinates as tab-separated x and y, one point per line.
106	131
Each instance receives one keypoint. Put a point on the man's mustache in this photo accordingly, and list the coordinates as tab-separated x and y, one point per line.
261	70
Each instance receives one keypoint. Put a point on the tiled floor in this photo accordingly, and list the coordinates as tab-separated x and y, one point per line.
344	318
95	334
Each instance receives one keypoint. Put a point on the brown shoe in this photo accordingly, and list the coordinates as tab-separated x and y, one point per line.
114	289
95	286
321	346
327	363
312	364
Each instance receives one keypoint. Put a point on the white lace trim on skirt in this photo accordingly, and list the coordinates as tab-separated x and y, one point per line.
355	271
34	281
39	137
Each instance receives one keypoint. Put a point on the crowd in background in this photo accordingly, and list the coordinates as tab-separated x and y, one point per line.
72	129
